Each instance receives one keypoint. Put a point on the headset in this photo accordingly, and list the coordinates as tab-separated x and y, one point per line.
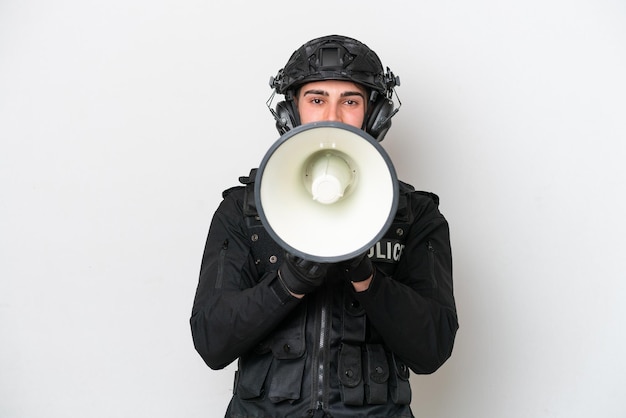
336	57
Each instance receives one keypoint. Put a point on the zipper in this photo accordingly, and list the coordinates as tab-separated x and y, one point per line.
319	389
321	366
431	263
220	265
318	412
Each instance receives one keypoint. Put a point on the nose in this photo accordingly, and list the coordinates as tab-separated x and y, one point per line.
333	114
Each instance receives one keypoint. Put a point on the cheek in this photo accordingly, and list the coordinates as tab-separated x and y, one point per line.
355	119
308	114
304	116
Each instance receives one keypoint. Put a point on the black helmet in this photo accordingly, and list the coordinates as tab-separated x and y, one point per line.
334	57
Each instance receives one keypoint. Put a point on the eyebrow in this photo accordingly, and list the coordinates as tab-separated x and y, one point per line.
343	94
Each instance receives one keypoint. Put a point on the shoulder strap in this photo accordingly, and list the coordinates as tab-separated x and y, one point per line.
249	204
266	252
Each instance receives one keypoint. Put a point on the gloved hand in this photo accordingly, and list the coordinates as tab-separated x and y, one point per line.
301	276
357	269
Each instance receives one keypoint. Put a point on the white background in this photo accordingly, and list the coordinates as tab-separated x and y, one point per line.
122	121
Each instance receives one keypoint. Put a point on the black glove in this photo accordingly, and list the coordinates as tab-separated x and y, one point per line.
301	276
357	269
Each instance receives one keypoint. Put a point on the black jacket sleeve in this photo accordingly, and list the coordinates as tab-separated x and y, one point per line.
233	309
415	311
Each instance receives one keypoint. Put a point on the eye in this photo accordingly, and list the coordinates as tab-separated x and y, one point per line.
352	102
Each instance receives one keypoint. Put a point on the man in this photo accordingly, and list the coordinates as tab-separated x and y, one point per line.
326	340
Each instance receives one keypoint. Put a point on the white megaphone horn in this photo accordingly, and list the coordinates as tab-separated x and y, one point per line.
326	191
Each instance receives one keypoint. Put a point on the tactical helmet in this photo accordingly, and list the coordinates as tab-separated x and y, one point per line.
334	57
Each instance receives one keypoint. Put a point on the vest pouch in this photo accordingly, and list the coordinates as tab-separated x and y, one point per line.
286	380
251	376
377	375
399	385
288	346
351	374
288	341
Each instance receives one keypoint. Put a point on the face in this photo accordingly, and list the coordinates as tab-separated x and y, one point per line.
332	100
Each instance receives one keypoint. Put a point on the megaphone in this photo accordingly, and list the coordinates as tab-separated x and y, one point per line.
326	191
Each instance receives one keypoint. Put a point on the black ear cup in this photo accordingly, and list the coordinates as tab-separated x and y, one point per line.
379	119
287	116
